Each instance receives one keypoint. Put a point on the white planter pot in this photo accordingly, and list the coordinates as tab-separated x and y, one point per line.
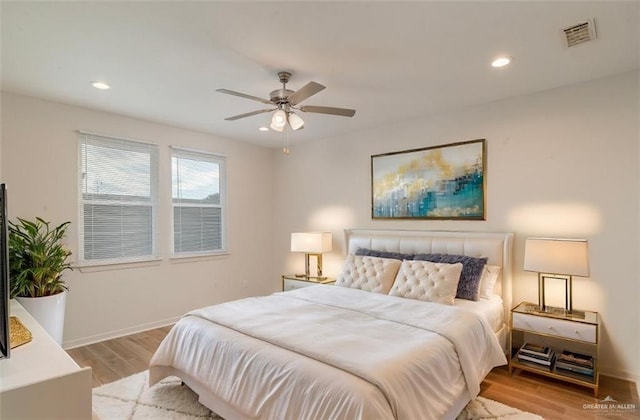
48	311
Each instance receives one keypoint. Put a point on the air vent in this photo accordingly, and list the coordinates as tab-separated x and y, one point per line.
580	33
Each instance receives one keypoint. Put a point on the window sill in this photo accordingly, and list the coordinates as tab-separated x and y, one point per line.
92	267
185	258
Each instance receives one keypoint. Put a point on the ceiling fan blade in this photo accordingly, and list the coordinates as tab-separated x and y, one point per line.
244	95
304	92
248	114
343	112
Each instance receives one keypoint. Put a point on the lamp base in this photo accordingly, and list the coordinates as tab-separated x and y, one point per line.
577	314
318	279
560	312
553	310
568	293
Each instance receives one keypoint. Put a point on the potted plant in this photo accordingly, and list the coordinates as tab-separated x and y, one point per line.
37	259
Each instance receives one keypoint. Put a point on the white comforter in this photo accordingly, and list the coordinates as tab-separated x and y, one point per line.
332	352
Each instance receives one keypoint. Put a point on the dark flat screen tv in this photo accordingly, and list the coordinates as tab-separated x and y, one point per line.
5	345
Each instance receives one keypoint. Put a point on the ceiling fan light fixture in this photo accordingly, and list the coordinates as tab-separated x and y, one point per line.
295	121
279	120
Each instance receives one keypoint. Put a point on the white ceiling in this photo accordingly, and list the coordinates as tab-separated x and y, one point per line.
391	61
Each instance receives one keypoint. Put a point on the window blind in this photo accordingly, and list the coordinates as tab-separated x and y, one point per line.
198	202
118	190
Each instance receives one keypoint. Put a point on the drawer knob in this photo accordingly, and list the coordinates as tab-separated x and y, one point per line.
550	327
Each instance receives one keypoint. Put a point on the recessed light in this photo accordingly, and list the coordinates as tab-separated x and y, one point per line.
501	61
100	85
263	128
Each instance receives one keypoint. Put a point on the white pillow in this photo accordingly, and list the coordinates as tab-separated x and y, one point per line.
488	280
425	280
372	274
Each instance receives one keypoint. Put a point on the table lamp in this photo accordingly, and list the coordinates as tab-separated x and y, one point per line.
557	258
311	243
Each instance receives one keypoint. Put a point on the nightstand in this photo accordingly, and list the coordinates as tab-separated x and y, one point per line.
576	334
291	282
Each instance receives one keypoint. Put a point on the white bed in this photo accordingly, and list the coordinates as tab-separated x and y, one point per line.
334	352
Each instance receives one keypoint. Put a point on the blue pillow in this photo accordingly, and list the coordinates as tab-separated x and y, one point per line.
383	254
469	284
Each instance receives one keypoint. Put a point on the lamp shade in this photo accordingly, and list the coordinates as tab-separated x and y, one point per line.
295	121
311	242
557	256
279	120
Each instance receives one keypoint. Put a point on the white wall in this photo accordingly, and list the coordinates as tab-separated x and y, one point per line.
39	164
560	163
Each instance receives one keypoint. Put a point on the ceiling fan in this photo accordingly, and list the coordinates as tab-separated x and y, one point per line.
286	101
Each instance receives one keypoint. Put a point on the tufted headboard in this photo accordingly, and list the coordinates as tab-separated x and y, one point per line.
497	247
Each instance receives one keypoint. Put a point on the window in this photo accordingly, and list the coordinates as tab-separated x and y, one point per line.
118	189
198	181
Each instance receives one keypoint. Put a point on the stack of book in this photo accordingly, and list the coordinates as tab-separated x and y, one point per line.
570	361
539	355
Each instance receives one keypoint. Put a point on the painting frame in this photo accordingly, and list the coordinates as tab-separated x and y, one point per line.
443	182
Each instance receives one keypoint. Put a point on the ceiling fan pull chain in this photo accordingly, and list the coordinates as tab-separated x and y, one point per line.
285	138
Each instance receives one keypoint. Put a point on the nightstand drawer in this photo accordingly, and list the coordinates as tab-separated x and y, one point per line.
556	327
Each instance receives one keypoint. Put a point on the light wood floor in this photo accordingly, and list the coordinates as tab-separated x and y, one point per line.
115	359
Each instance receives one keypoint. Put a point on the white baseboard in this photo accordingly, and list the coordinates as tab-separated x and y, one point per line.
621	374
68	345
617	373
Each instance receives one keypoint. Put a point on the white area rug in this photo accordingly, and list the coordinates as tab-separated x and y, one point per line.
130	398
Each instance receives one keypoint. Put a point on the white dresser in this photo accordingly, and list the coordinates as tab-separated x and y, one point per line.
40	380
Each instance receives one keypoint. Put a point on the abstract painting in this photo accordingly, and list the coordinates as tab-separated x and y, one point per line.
438	182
